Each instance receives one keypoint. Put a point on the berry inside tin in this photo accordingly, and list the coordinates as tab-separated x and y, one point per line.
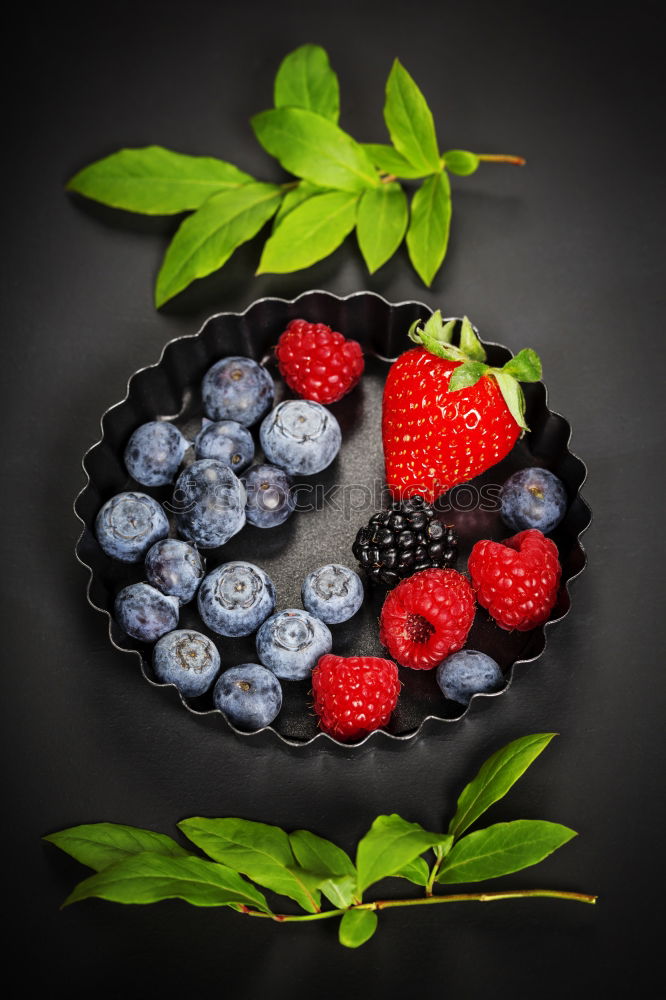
332	506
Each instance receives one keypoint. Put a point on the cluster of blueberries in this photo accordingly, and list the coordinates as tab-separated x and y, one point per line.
211	503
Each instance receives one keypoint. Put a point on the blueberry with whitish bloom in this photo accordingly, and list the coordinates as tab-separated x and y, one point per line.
235	598
466	673
300	436
270	500
175	568
154	453
209	503
128	524
187	659
249	695
227	441
533	498
144	612
290	643
237	388
332	593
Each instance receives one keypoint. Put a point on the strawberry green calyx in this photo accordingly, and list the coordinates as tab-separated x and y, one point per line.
436	337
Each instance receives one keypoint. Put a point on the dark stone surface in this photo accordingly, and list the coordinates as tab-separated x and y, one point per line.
563	255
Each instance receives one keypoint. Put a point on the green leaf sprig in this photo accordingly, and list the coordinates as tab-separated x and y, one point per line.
436	336
340	184
138	866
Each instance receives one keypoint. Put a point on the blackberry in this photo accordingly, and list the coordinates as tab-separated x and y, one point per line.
404	540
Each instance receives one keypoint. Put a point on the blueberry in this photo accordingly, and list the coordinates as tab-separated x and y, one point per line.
128	524
209	502
290	643
332	593
227	441
236	598
187	659
466	673
533	498
249	695
237	389
300	437
175	568
269	498
154	453
145	613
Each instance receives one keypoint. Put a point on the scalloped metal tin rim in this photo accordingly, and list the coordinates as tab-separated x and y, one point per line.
326	737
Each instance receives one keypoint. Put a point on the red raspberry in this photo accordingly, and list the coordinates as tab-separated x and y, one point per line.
318	363
355	694
516	580
426	617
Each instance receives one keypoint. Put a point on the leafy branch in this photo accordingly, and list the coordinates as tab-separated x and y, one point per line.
139	866
340	184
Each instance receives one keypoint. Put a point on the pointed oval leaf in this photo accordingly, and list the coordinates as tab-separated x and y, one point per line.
409	121
305	80
99	845
390	844
310	232
295	197
317	854
416	871
495	778
428	233
467	375
461	162
205	241
387	159
260	851
381	223
156	181
357	927
502	849
314	148
149	878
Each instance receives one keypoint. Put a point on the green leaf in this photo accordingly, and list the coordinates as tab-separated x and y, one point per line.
99	845
526	366
357	927
322	856
149	878
389	845
381	223
390	161
502	849
314	148
156	181
415	871
513	397
409	121
433	330
461	162
499	773
305	80
295	197
309	232
260	851
466	375
205	241
470	343
428	233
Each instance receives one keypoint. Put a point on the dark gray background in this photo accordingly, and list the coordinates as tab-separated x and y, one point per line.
563	255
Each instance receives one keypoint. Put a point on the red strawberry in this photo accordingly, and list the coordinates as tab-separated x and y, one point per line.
447	416
318	363
516	580
354	695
